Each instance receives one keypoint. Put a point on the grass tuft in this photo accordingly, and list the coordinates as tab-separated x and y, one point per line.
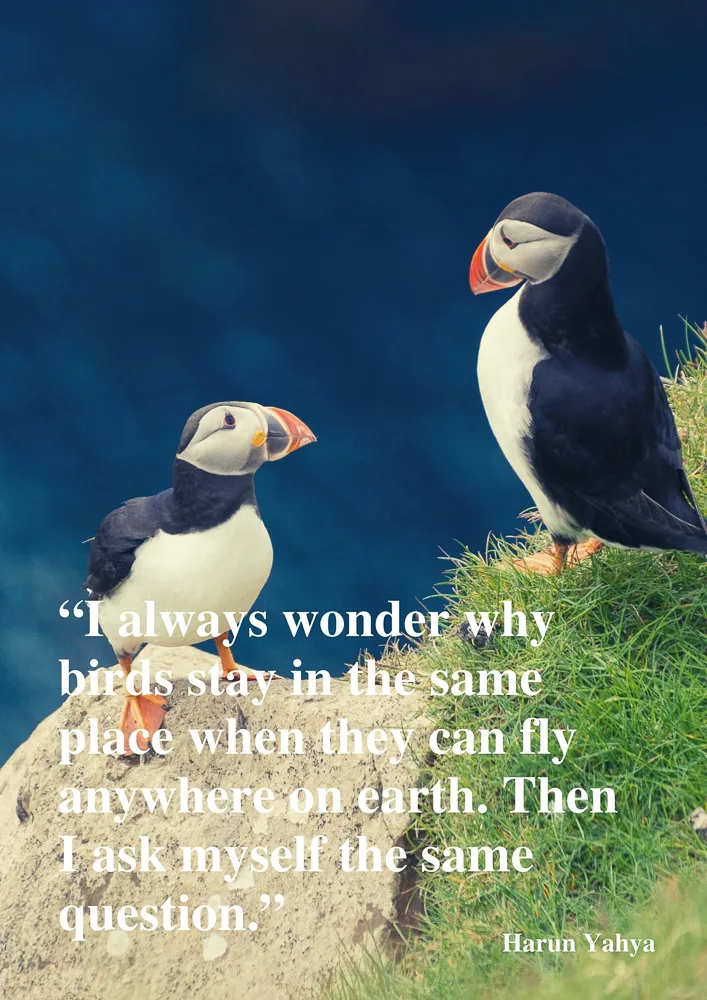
623	663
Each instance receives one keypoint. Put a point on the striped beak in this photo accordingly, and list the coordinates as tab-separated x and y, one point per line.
486	274
286	433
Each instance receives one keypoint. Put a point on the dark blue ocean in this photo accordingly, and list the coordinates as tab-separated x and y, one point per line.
278	202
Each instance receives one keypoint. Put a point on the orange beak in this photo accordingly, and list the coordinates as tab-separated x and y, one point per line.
486	274
286	433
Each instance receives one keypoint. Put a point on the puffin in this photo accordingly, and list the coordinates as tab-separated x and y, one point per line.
575	404
199	546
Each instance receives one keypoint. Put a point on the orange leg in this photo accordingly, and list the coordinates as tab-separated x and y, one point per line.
141	711
553	561
229	665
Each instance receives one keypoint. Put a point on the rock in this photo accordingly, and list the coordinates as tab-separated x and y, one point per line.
295	950
698	822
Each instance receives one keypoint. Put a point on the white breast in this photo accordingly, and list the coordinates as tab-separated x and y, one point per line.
507	357
221	569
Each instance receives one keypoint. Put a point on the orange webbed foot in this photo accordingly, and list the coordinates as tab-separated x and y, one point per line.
583	550
553	561
547	563
145	712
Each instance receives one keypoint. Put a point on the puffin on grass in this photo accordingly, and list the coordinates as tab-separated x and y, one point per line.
199	546
574	402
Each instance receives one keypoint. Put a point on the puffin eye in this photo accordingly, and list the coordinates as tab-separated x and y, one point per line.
509	243
229	421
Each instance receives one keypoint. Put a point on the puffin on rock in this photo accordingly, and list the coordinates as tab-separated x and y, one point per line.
199	546
574	402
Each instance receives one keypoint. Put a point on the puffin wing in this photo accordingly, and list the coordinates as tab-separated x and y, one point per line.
118	538
605	448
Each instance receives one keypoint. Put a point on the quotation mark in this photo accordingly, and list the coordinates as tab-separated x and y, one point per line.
278	899
77	612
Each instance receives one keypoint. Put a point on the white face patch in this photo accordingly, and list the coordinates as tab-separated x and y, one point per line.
223	442
538	254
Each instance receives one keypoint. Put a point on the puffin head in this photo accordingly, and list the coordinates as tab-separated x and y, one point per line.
234	439
531	240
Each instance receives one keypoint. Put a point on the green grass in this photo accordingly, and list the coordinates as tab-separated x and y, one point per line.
623	663
676	919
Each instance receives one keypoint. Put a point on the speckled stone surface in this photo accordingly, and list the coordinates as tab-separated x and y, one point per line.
293	952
